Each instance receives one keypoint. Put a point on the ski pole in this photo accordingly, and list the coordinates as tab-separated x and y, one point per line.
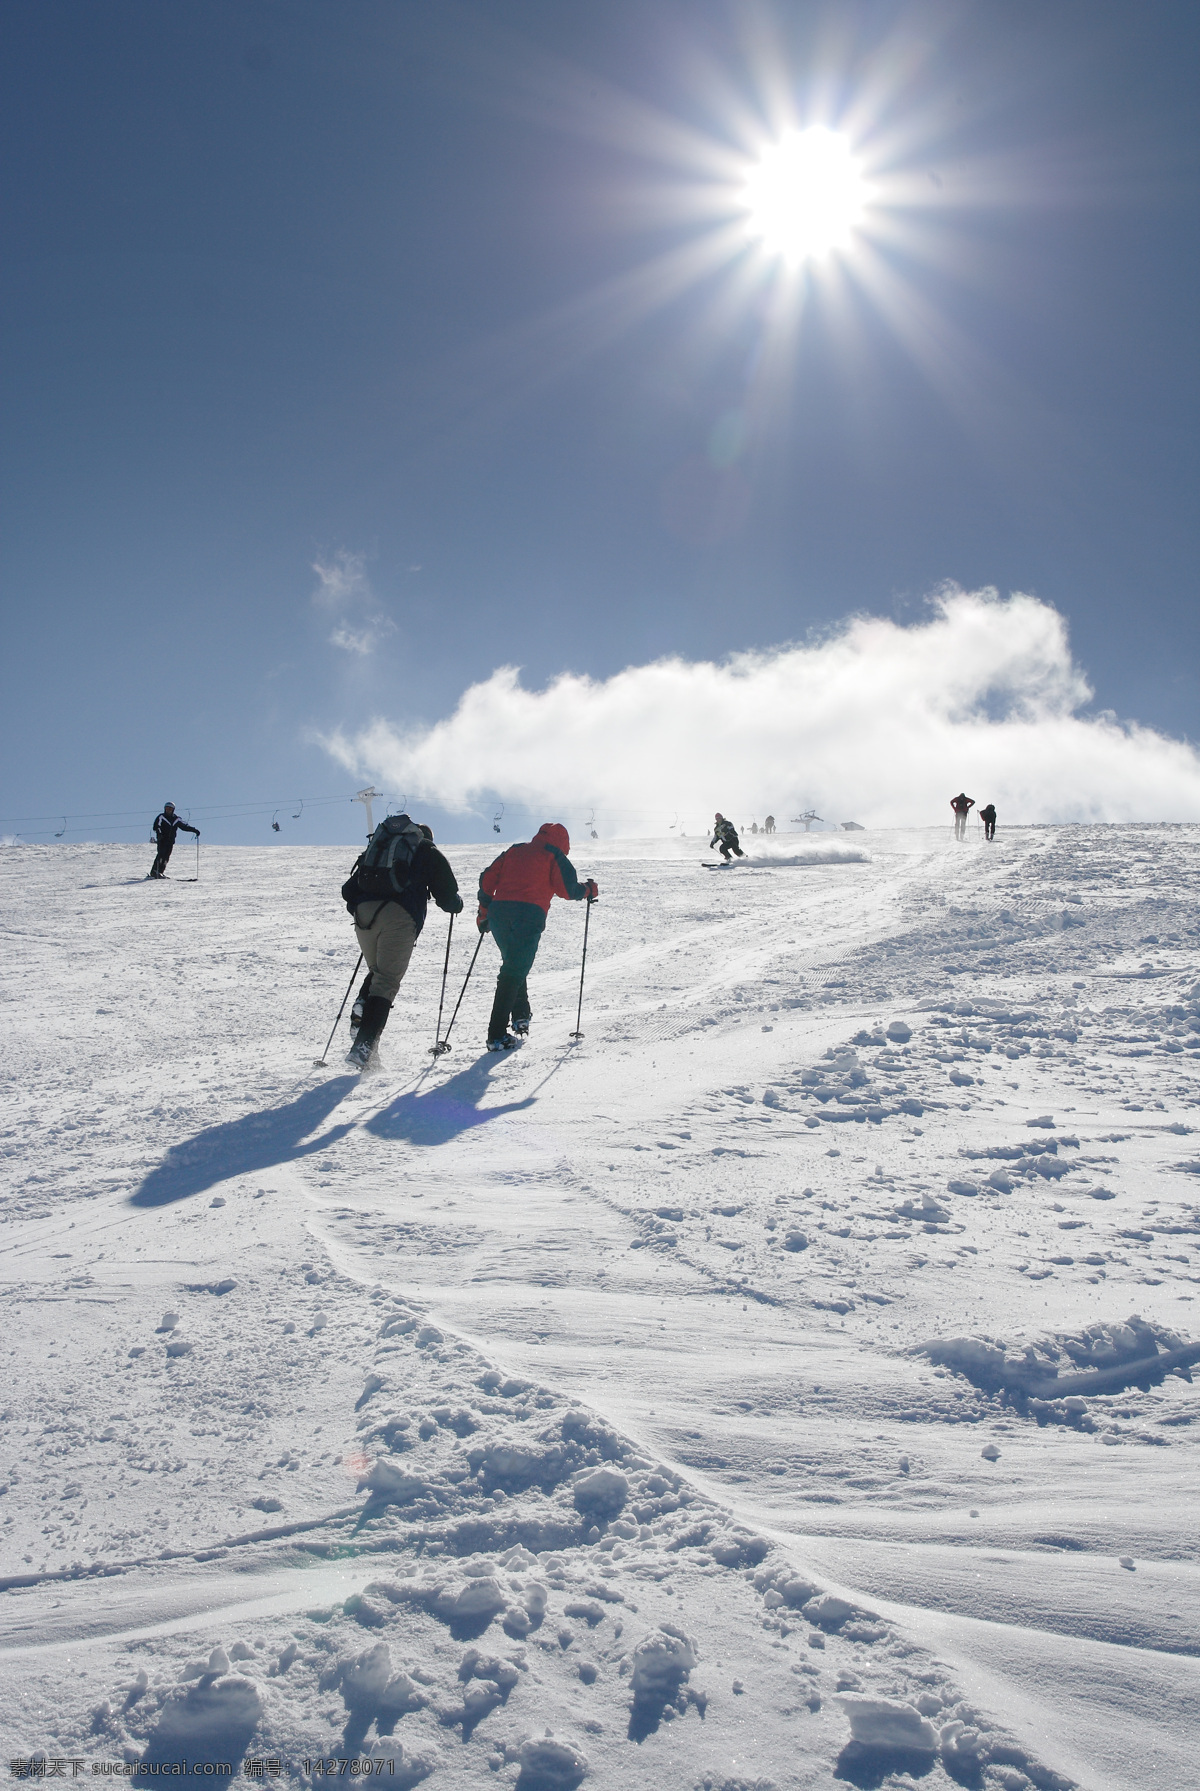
319	1062
437	1048
197	858
583	966
445	1043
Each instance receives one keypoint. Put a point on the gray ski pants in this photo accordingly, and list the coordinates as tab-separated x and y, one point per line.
386	933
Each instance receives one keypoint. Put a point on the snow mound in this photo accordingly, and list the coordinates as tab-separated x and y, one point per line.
205	1723
882	1723
550	1763
1102	1358
602	1493
662	1663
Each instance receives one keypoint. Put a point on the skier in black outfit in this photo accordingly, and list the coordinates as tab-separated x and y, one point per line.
389	907
166	826
725	836
988	817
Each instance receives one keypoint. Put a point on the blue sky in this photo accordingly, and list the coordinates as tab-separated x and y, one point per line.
349	286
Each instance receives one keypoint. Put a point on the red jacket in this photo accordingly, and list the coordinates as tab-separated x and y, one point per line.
533	873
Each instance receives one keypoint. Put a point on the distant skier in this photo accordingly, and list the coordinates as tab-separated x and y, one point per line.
988	817
388	894
962	806
769	824
166	826
515	893
725	837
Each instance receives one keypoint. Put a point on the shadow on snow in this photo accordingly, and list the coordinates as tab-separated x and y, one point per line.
445	1111
255	1141
260	1141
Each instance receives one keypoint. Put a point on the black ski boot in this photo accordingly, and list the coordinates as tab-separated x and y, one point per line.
375	1018
360	1002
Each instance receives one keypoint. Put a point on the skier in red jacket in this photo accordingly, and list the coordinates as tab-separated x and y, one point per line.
515	893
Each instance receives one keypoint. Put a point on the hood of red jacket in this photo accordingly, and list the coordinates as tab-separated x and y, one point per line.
555	833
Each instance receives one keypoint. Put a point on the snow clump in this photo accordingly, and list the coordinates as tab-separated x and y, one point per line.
881	1722
662	1663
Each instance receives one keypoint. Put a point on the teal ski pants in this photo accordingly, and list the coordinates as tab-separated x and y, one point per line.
517	928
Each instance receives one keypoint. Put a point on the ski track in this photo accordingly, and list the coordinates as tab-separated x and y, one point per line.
395	1418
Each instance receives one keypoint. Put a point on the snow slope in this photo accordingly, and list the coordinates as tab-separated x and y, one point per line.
789	1380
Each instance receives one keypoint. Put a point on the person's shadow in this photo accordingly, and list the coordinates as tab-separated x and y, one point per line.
444	1111
256	1141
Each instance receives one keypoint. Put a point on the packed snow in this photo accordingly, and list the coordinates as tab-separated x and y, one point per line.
789	1381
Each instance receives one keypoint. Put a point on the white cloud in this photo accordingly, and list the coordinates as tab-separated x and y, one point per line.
877	722
344	589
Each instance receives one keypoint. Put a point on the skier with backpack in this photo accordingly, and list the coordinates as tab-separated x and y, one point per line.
166	826
388	894
725	836
515	893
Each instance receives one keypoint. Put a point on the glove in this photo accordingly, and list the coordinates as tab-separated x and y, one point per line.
481	919
456	906
591	890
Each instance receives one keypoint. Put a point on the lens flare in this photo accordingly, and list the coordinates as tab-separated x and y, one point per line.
806	196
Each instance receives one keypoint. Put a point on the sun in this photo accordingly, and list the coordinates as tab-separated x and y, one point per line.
806	196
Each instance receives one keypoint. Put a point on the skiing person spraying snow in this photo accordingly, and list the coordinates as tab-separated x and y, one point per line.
166	826
725	836
962	806
988	817
515	893
388	894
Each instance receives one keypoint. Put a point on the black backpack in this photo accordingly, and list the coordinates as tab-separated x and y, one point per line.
385	870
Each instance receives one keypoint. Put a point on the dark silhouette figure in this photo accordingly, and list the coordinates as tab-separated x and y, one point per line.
166	826
988	817
962	806
725	837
